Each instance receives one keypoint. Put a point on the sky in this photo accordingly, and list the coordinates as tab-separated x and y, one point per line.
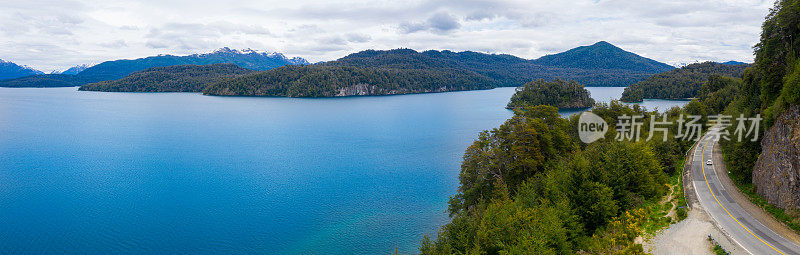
57	34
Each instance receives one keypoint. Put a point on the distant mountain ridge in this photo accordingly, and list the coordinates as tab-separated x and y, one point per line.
10	70
249	59
600	64
403	71
117	69
603	55
734	63
73	70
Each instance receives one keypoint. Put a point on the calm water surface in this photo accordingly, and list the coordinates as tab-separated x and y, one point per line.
99	173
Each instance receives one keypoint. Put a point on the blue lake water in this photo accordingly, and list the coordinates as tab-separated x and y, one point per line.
99	173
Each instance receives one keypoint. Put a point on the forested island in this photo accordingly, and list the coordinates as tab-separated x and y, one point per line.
330	81
681	83
558	93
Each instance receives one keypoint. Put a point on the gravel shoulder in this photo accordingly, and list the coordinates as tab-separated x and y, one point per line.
690	236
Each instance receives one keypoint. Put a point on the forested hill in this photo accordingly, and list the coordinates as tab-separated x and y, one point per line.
508	70
603	55
330	81
680	83
112	70
10	70
181	78
558	93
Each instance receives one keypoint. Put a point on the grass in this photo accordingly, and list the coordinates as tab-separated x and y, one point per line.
791	219
657	212
683	206
716	248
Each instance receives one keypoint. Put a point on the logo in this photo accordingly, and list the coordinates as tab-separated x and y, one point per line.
591	127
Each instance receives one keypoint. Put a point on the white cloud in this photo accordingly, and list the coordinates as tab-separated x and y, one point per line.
57	34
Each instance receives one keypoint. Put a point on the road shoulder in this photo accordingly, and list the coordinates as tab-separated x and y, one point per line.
690	236
765	218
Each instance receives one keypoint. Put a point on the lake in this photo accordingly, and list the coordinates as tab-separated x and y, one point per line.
99	173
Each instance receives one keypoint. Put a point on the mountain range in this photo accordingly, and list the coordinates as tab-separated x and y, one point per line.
117	69
600	64
73	70
9	70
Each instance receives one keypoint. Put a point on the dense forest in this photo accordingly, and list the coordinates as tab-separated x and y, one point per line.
768	87
558	93
329	81
43	81
181	78
603	55
531	187
679	83
528	186
117	69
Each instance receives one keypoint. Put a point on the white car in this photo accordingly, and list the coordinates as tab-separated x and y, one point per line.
708	162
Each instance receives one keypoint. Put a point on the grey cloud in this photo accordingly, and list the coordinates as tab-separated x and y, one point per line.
481	15
189	37
306	29
412	27
337	40
358	38
443	22
439	22
114	44
70	19
157	44
216	28
539	19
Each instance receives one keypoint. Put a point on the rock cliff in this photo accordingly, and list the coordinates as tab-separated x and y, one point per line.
776	174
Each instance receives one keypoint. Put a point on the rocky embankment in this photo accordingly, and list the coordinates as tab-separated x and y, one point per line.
363	89
776	174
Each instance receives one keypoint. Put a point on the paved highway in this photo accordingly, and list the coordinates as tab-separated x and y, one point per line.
745	230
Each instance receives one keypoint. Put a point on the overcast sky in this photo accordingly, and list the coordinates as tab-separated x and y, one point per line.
54	35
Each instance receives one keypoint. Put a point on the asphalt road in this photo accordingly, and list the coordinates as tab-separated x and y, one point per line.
743	228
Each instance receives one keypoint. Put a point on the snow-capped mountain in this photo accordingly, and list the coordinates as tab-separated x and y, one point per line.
10	70
73	70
